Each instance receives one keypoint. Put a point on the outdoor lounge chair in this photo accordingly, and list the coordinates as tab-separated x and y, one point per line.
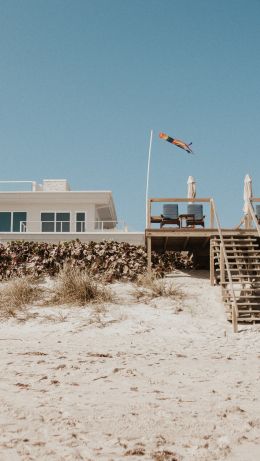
198	219
257	213
170	215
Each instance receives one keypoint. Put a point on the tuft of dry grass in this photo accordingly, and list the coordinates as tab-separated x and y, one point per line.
16	294
149	286
76	286
164	455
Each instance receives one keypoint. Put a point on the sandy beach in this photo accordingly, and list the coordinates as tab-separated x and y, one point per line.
153	380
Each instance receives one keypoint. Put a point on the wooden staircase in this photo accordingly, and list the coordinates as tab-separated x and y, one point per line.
243	256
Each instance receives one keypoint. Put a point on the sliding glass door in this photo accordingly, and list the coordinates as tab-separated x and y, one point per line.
13	221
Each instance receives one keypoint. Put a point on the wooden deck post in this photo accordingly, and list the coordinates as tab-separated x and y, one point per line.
222	265
149	255
234	319
148	217
212	224
211	263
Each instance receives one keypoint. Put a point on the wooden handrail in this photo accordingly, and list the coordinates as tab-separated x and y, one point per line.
179	200
234	306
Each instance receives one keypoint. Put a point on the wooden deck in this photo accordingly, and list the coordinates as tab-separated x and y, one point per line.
196	241
188	239
231	254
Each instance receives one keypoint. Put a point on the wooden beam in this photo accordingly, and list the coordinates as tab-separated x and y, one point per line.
200	233
148	217
179	233
149	255
212	223
186	243
179	200
165	243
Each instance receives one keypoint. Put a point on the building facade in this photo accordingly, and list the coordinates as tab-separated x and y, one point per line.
51	211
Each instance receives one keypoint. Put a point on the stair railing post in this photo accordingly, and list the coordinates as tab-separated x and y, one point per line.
212	265
234	318
222	265
212	219
149	255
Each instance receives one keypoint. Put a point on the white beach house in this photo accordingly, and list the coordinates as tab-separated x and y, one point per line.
51	212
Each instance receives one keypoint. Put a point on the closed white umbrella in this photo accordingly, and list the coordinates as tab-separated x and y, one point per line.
248	192
191	187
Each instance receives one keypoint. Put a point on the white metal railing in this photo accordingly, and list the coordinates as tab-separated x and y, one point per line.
73	226
224	262
32	183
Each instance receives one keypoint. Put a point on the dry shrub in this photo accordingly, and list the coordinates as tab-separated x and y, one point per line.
114	260
149	286
165	455
76	286
16	294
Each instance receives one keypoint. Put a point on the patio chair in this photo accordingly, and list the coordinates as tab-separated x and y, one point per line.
170	215
257	213
198	219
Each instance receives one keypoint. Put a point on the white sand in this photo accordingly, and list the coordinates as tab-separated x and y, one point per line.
140	382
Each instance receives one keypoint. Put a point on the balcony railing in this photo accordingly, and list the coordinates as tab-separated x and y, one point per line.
72	226
182	206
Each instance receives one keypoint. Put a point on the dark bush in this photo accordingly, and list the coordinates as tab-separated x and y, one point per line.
111	260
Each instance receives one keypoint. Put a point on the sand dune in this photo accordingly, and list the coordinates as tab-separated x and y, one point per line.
154	380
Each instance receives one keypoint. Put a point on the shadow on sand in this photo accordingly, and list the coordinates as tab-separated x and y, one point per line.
199	274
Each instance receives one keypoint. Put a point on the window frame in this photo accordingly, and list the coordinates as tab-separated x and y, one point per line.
56	222
76	221
12	220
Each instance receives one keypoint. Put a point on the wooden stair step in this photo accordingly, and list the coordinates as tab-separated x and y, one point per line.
235	239
251	296
243	261
244	253
248	276
231	245
242	269
242	249
240	244
244	304
240	288
247	313
251	319
248	256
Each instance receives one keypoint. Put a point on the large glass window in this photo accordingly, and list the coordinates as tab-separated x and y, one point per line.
80	222
5	221
19	221
13	221
55	222
48	222
62	222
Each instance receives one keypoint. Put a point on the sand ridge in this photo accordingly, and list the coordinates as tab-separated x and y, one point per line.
155	380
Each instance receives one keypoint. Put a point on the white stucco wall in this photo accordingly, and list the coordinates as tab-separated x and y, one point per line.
134	238
34	203
34	212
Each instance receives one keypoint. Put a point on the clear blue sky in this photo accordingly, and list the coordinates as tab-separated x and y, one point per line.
82	82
